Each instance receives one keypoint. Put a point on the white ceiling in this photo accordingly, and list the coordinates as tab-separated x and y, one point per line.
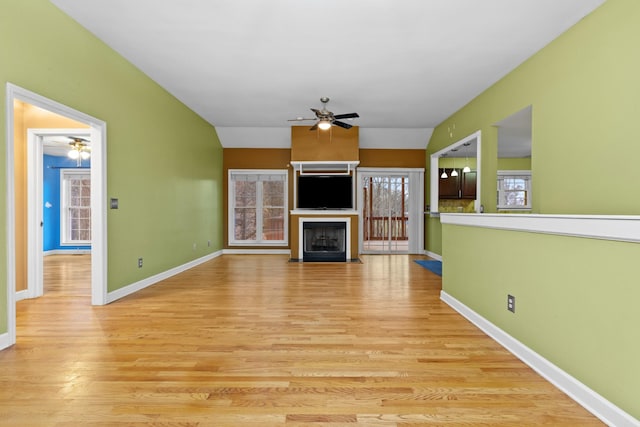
60	145
247	66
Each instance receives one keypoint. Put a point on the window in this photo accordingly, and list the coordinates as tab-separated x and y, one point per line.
75	218
514	190
258	207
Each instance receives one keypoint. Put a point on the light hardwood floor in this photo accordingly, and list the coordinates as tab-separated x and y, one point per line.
252	340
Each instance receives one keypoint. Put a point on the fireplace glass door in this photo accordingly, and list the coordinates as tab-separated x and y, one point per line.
324	241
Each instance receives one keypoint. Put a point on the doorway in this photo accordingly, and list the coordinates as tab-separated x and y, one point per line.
97	132
390	204
58	198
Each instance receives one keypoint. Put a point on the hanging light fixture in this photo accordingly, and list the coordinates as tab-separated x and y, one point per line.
466	168
454	172
444	170
79	150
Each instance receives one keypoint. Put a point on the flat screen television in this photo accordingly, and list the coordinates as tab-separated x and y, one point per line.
325	192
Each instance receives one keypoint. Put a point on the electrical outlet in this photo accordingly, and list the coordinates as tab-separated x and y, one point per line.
194	246
139	262
208	243
511	303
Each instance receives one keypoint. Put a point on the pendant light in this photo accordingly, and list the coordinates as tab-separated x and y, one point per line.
454	172
466	168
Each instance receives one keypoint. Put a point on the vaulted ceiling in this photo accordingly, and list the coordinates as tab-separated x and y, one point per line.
247	66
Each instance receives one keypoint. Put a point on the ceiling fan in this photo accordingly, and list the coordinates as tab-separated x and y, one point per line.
326	119
80	150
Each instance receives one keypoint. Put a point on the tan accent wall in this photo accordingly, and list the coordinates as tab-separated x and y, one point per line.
27	116
336	144
393	158
253	158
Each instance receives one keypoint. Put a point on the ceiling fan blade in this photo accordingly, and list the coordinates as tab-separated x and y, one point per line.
346	116
342	124
314	127
301	119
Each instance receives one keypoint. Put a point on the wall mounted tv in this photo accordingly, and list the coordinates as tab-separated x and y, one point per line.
325	192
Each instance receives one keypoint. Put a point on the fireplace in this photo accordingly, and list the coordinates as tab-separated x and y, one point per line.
324	241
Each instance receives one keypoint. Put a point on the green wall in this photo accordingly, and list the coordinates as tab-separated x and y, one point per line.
164	162
514	164
576	300
583	88
576	297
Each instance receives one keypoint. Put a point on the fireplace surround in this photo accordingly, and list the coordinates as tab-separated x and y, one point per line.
323	238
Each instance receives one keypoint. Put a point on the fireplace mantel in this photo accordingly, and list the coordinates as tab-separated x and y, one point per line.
325	167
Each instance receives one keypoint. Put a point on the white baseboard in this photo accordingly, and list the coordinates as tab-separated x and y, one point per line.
589	399
256	251
144	283
5	341
433	255
67	252
23	294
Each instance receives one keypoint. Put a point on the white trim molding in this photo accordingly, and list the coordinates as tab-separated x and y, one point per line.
607	227
589	399
145	283
433	255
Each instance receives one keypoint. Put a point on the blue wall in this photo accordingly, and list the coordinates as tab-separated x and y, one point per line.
51	198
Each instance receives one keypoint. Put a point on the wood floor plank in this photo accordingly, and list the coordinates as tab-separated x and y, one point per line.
255	340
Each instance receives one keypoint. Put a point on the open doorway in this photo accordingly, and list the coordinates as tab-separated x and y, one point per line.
97	133
59	196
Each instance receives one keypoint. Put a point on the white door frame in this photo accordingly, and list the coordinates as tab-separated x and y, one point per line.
35	256
416	208
98	132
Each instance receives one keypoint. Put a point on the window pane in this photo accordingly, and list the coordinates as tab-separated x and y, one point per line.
273	193
273	223
516	198
245	194
245	224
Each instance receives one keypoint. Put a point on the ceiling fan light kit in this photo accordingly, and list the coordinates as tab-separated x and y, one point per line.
326	119
79	150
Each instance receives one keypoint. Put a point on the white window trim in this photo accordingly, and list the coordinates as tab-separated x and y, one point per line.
514	173
231	207
64	211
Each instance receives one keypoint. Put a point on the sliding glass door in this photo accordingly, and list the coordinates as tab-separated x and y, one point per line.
388	224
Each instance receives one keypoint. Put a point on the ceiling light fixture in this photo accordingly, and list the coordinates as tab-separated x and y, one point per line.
466	168
324	124
79	151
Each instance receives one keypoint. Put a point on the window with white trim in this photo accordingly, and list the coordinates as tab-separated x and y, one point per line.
75	215
514	190
258	203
